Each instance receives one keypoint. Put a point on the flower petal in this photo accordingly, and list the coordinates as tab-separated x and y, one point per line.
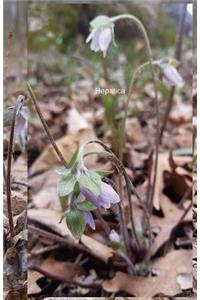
90	196
105	39
172	76
108	195
89	220
95	41
90	36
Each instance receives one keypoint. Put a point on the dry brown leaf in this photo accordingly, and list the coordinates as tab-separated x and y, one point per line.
101	251
134	132
181	112
76	122
19	170
165	164
33	287
67	145
162	226
172	215
51	219
174	263
19	203
44	190
61	269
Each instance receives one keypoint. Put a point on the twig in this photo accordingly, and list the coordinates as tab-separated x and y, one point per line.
63	241
18	104
46	128
186	194
20	183
178	53
44	250
185	212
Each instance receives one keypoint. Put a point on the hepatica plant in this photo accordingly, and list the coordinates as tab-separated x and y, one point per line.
101	37
85	192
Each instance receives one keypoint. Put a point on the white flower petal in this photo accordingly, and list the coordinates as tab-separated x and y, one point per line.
105	39
90	36
95	41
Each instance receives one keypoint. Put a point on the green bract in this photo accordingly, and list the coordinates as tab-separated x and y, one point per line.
91	181
66	185
75	222
86	205
101	22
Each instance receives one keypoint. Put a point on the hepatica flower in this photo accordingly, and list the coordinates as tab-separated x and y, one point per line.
102	34
172	76
106	197
84	191
170	73
89	219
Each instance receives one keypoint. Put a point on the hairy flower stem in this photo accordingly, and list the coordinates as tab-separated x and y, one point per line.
107	230
46	128
146	38
178	52
104	224
18	104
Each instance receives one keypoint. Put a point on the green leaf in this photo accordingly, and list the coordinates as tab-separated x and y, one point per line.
66	185
86	205
104	173
63	202
73	159
91	181
75	222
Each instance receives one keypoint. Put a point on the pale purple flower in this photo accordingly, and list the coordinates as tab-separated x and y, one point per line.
89	219
107	196
102	34
172	76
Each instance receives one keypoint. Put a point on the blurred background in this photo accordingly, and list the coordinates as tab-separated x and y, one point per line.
64	71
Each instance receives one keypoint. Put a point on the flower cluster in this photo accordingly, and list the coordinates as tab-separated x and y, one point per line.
84	191
102	35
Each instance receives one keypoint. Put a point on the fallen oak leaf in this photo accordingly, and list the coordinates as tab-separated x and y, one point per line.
172	215
174	263
51	218
169	163
33	277
61	269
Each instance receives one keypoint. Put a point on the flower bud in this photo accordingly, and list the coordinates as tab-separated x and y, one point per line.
115	240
